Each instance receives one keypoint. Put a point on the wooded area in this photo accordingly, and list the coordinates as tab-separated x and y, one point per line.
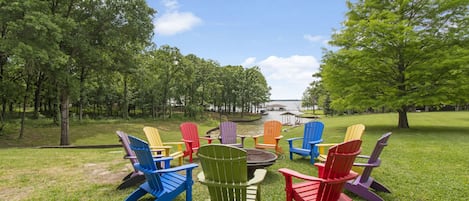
96	59
396	56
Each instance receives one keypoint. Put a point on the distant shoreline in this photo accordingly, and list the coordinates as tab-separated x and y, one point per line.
285	100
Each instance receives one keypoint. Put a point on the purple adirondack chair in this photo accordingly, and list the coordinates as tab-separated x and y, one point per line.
228	134
362	184
135	177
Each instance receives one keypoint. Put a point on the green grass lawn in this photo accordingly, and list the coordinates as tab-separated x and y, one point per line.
426	162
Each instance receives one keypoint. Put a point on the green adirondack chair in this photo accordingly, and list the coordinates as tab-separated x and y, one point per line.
225	173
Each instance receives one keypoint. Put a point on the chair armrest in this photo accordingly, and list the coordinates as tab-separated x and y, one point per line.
326	144
350	176
173	143
292	173
168	170
159	147
279	137
324	147
320	167
315	142
363	156
129	157
178	168
259	175
162	159
208	139
201	176
292	139
188	141
375	164
256	136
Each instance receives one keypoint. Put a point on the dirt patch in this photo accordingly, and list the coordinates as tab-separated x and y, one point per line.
101	173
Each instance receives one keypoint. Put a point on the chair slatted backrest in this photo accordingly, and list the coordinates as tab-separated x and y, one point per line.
354	132
153	136
145	161
225	170
123	138
228	132
272	129
312	132
374	157
339	162
190	132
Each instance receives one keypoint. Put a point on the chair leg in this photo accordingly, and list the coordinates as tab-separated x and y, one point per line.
363	192
189	193
291	155
379	187
136	195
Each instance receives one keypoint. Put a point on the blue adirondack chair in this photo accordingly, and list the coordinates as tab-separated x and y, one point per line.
164	184
312	136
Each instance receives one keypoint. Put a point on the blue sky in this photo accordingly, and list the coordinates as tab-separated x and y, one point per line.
283	37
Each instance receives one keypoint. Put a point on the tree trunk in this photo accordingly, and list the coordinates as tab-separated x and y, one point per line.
125	103
23	113
37	95
64	112
403	122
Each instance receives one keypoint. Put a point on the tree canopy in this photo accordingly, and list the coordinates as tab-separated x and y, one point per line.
396	55
95	59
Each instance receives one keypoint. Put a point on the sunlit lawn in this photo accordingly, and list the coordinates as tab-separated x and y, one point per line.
427	162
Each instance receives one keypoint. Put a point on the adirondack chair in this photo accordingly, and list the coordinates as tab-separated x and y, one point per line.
228	134
224	172
190	136
362	184
272	131
311	136
163	148
332	175
164	184
354	132
135	177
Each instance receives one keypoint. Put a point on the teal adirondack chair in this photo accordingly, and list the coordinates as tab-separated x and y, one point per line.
164	184
225	173
312	135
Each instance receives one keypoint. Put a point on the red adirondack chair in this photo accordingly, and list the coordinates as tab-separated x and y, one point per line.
331	179
190	136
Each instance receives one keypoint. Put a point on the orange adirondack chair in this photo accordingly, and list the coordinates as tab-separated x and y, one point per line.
190	136
272	131
354	132
331	179
164	148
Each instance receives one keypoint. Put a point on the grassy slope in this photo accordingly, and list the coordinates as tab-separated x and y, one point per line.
427	162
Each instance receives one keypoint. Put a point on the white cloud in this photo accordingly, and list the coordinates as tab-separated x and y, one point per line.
174	22
316	39
171	5
249	62
288	76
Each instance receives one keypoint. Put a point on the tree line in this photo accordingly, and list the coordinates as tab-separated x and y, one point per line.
97	59
396	56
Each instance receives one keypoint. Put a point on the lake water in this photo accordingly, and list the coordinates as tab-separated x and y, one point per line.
253	128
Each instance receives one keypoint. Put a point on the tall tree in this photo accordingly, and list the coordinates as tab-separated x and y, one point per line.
397	54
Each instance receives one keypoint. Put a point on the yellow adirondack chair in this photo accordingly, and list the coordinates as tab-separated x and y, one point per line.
158	146
354	132
272	131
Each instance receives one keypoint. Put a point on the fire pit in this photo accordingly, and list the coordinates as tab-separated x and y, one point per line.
258	158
